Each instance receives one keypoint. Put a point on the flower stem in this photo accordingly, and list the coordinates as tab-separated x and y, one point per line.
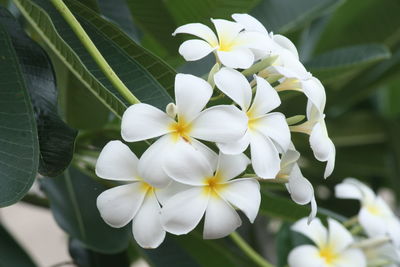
249	251
94	52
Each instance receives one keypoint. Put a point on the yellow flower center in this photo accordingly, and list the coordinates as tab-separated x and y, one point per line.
145	187
180	129
373	209
328	254
225	46
252	122
213	184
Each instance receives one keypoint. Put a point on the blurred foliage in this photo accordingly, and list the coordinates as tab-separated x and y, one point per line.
352	46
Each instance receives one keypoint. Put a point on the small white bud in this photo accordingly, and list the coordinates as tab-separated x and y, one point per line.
171	110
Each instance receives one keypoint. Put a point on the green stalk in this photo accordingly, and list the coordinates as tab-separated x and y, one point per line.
94	52
249	251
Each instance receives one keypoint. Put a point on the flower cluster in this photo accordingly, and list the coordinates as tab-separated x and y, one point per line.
373	238
201	144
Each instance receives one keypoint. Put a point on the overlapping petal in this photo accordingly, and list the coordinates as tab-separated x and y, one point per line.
227	30
236	147
192	50
315	231
274	126
351	257
230	166
306	256
249	23
264	156
199	30
238	57
339	238
265	100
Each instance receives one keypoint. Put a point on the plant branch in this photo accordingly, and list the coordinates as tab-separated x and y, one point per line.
249	251
94	52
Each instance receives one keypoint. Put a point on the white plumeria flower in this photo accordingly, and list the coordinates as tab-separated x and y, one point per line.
332	248
213	193
375	216
288	65
135	201
322	146
267	133
215	124
233	46
299	188
386	255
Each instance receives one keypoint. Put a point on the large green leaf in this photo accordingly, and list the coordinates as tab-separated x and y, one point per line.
358	22
56	139
286	15
133	64
19	146
73	203
11	254
338	66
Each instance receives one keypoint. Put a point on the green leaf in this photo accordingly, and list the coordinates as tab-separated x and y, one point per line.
338	66
73	203
92	4
358	22
287	15
19	146
11	254
56	139
134	65
84	257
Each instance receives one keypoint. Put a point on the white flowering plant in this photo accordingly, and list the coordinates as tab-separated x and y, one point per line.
177	133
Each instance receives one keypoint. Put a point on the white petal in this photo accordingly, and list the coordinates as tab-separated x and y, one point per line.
306	256
351	257
393	229
118	205
264	156
223	123
315	92
320	142
339	238
250	23
237	58
143	121
351	188
371	223
207	152
192	50
301	190
284	42
294	68
243	194
199	30
226	30
237	147
220	220
314	210
150	165
117	162
230	166
163	194
288	160
192	94
266	98
187	165
235	85
183	212
146	225
254	40
330	164
315	231
274	125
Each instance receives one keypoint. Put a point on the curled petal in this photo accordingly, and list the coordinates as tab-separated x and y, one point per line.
183	212
117	162
288	160
274	126
254	40
199	30
330	164
230	166
237	58
285	43
192	94
143	121
351	188
320	142
306	256
192	50
227	30
146	225
222	123
264	156
235	85
315	92
118	205
243	194
339	237
220	220
300	188
315	231
250	23
234	148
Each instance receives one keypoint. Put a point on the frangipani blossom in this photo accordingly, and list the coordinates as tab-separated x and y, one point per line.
267	133
322	146
299	188
233	46
135	201
213	193
288	65
332	247
215	124
375	216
